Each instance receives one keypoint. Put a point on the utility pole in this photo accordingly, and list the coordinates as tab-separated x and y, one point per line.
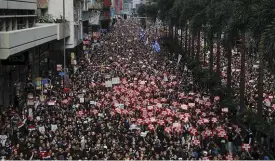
64	44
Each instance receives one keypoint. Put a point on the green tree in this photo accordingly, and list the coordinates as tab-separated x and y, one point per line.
260	24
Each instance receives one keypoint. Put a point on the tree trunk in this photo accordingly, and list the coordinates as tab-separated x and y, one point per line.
211	56
170	31
193	45
242	74
181	37
186	36
218	70
198	47
229	70
189	44
204	50
261	80
176	35
166	33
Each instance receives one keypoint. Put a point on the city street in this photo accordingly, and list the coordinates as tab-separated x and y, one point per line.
137	80
126	102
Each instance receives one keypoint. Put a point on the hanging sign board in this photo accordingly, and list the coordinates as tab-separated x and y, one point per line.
72	58
38	83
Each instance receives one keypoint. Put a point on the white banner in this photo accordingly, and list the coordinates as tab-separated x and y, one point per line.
116	80
30	113
108	84
179	58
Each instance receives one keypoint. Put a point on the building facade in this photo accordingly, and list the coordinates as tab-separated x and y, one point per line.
137	3
22	41
77	19
127	7
75	13
31	34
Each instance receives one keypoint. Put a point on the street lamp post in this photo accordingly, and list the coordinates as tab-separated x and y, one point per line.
64	43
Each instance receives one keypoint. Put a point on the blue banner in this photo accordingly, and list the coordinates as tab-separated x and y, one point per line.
44	81
61	74
156	47
142	35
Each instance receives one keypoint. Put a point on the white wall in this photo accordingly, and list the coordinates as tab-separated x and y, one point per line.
18	4
19	40
113	3
56	9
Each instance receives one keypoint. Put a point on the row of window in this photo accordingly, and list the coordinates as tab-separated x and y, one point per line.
6	12
10	24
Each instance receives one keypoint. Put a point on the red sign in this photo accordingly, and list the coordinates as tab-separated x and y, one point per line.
121	4
245	147
59	67
107	3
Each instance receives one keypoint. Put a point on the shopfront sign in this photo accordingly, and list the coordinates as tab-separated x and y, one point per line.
38	83
17	59
72	58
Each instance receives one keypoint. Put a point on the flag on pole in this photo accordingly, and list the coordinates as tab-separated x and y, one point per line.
156	47
179	58
142	34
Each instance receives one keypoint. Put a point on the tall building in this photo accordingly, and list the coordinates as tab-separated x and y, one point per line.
137	3
119	6
76	13
105	17
127	7
22	41
31	40
113	8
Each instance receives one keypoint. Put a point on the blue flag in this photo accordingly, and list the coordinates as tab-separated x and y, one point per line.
156	47
142	35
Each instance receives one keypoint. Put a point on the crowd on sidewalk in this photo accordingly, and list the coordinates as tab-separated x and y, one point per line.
126	102
251	82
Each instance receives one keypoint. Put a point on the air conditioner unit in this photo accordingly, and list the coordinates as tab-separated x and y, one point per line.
76	23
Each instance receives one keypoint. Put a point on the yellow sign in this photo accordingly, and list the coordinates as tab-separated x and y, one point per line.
38	83
72	58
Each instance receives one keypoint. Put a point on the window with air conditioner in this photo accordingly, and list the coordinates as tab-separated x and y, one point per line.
13	27
1	12
21	24
31	22
1	25
7	24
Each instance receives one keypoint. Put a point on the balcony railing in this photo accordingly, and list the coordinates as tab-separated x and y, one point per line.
12	42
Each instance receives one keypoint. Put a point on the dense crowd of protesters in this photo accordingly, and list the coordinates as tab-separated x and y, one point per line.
125	102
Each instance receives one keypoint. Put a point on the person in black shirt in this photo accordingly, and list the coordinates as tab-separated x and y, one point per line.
255	154
237	140
230	141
